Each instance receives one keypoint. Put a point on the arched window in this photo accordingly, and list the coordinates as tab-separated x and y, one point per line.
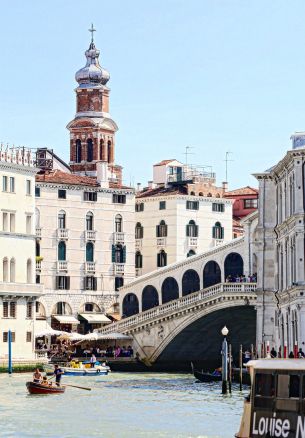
118	254
109	151
61	251
90	307
102	150
190	282
190	253
209	195
40	311
161	259
62	219
62	308
170	290
200	194
217	195
5	269
118	224
234	265
192	193
89	252
130	305
161	230
218	231
89	150
12	271
89	221
138	259
150	298
139	231
192	229
29	271
78	151
211	274
37	248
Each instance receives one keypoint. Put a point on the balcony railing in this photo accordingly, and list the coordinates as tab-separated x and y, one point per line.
38	232
218	242
62	266
90	267
90	235
161	241
193	242
138	243
62	233
118	237
118	268
38	265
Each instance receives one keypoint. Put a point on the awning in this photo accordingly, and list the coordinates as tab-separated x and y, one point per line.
114	336
95	318
66	319
48	332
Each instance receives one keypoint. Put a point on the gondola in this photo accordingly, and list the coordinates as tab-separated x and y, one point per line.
37	388
205	376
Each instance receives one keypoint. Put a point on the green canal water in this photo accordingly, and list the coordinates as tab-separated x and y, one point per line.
123	405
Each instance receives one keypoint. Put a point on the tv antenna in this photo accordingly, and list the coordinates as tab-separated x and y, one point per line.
227	160
187	153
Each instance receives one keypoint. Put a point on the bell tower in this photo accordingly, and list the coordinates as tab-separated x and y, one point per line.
92	131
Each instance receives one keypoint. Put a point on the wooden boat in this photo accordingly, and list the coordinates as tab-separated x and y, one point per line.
37	388
205	376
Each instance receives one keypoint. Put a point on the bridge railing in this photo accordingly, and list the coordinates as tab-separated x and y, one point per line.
179	304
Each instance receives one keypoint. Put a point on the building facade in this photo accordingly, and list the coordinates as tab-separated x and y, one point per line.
180	214
18	291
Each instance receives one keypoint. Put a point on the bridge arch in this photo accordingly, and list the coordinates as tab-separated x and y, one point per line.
190	282
169	290
130	305
234	264
150	297
211	274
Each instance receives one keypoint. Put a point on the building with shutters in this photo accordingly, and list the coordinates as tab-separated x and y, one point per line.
84	214
18	291
181	213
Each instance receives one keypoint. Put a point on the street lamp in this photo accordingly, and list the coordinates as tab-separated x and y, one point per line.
224	352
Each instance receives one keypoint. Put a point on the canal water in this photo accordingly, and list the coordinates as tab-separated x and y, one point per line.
120	405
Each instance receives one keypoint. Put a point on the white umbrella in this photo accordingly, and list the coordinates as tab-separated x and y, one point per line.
48	332
114	336
91	337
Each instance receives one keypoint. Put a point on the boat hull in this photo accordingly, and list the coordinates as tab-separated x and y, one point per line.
37	388
84	371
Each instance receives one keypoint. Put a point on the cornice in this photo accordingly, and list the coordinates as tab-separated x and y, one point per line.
185	198
81	187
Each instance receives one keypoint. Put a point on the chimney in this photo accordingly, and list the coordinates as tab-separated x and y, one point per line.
102	173
138	187
224	186
151	185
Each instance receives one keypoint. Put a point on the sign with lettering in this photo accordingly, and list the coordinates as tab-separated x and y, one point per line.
277	424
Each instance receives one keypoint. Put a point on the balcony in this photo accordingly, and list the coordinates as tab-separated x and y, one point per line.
161	242
90	235
62	233
138	243
90	267
38	266
38	232
192	242
119	237
218	242
118	268
62	266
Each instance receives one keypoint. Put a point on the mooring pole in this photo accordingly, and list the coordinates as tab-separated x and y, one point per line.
241	367
10	366
224	366
230	368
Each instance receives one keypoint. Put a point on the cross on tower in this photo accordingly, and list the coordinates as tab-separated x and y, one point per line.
92	30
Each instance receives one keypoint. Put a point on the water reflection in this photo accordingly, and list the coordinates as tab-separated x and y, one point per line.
123	405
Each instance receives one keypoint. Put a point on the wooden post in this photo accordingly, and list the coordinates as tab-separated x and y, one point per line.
241	367
230	368
224	366
252	352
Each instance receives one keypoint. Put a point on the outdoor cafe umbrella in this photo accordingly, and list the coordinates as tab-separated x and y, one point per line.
48	332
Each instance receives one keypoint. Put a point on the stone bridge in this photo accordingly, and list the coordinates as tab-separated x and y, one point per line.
186	329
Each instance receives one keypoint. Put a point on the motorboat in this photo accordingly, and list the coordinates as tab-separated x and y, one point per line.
76	368
275	405
38	388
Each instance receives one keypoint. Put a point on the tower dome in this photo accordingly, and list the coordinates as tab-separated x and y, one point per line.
92	74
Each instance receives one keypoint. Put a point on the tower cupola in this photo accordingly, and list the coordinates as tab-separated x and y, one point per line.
92	74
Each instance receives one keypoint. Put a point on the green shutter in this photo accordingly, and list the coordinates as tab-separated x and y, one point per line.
124	254
113	253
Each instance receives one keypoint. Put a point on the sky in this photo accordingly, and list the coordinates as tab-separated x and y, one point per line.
214	75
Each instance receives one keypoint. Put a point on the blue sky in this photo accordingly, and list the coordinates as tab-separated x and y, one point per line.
214	75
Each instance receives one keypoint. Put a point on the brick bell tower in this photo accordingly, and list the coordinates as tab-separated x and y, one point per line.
92	131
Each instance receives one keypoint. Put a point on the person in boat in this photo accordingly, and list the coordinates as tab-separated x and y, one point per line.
37	376
301	354
57	373
92	361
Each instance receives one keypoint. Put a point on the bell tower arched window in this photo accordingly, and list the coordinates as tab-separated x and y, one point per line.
78	151
109	151
102	150
89	150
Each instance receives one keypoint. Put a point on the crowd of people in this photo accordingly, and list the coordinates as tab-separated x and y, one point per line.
241	278
292	355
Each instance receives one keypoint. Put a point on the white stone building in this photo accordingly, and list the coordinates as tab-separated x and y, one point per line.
18	291
180	214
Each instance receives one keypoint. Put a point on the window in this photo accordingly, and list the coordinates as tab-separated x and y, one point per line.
4	183
161	229
162	205
216	206
62	219
29	271
28	187
89	150
78	151
28	224
90	284
5	336
118	282
62	282
190	253
89	221
12	271
88	306
62	308
250	203
109	151
192	205
37	250
37	192
138	260
192	229
28	336
9	309
89	252
264	390
12	184
218	231
90	196
161	259
62	251
118	254
118	221
12	222
119	199
5	309
29	310
5	221
139	207
5	269
62	194
37	279
139	231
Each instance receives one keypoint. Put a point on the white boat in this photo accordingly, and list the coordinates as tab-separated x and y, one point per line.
276	405
80	369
